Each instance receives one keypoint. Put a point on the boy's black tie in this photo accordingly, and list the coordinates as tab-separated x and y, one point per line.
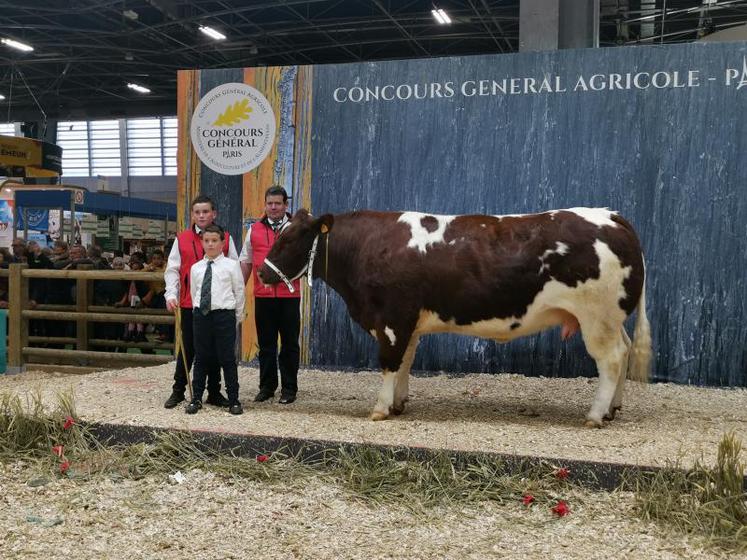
205	293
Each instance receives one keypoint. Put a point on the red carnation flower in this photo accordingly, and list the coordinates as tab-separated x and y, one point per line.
562	473
68	423
561	509
64	467
527	500
58	450
262	458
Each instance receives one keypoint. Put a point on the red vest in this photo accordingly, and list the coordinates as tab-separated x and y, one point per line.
262	239
190	252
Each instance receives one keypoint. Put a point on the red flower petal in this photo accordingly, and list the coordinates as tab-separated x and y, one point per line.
562	473
58	450
560	509
527	500
262	458
64	467
68	423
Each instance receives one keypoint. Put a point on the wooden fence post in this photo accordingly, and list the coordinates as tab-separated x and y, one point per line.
18	292
83	294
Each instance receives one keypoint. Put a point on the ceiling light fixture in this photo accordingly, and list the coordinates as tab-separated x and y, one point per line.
17	45
138	88
441	16
2	97
212	33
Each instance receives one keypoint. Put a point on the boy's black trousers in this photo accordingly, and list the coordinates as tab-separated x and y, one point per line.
215	346
188	343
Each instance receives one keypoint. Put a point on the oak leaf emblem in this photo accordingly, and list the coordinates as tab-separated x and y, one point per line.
233	114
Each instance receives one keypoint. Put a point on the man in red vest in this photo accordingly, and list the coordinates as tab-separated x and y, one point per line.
186	251
276	308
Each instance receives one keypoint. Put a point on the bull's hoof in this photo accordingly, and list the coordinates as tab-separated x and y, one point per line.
377	416
397	410
611	414
593	423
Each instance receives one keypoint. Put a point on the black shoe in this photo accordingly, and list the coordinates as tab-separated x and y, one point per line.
194	406
140	337
173	400
262	396
236	408
218	400
287	399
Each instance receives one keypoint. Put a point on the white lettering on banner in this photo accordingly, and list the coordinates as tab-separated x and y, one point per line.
732	74
547	84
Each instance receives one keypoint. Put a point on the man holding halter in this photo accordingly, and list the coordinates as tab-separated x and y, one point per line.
186	251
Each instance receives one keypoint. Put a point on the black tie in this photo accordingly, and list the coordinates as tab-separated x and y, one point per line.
206	292
275	226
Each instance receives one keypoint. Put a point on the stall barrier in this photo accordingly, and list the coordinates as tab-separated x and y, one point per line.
3	347
24	351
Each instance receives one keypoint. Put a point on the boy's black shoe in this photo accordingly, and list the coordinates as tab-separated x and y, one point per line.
287	399
194	406
263	396
218	400
236	408
173	400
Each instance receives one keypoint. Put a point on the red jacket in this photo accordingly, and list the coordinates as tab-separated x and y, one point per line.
262	238
191	251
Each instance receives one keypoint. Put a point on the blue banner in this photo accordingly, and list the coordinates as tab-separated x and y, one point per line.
38	219
657	133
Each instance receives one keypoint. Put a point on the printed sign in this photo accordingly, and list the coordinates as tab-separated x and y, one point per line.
233	129
38	218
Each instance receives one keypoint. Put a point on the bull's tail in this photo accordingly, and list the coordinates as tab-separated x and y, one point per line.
639	361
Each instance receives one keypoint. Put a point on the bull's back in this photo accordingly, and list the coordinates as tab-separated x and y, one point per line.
472	268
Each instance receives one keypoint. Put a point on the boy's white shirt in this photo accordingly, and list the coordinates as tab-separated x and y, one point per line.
174	263
227	287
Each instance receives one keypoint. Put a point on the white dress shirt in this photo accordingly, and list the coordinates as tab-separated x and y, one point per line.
246	250
171	274
227	285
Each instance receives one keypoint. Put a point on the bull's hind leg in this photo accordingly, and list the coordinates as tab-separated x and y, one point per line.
606	345
395	355
618	398
402	378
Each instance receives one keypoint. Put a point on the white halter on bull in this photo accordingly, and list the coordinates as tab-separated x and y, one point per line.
309	266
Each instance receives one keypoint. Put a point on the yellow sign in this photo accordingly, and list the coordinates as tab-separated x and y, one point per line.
18	152
26	157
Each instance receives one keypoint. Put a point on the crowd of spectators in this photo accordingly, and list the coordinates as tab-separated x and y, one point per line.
113	293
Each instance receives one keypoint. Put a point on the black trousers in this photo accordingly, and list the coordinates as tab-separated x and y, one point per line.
188	342
273	317
215	343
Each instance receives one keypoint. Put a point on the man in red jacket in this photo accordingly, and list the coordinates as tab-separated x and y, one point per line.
186	251
276	308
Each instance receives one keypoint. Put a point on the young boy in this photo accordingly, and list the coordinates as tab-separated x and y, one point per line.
217	290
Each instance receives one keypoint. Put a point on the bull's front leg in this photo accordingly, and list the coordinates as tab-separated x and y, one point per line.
396	352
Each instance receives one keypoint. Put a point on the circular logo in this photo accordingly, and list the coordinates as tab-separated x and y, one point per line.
233	129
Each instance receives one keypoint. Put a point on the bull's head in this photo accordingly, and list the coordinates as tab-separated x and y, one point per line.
291	253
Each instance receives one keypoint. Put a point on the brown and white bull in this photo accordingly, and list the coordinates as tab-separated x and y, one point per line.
406	274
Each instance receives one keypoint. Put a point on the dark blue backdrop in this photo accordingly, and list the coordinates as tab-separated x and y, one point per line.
672	160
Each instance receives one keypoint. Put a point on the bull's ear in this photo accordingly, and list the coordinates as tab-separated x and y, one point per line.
324	223
301	214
